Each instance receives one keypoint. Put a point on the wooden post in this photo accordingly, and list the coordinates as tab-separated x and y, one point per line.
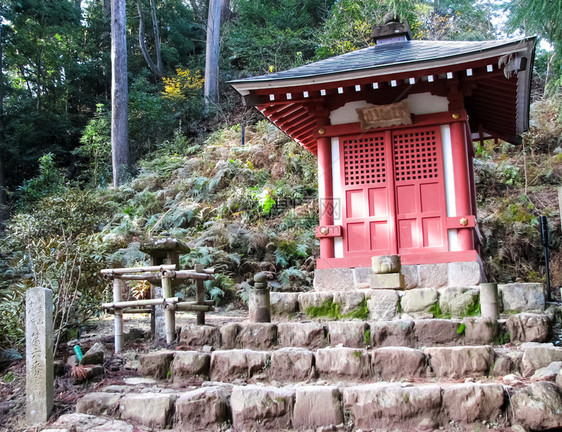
169	313
200	296
117	284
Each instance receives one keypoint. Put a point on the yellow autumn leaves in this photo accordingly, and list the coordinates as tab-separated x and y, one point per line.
182	85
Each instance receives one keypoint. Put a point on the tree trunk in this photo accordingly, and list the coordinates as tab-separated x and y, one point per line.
156	68
3	198
119	94
212	53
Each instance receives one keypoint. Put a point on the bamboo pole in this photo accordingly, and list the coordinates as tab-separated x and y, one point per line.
131	311
134	303
190	307
200	296
117	284
188	274
138	269
169	314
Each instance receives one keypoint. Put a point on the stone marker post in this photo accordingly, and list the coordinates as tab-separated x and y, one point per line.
259	303
39	355
489	306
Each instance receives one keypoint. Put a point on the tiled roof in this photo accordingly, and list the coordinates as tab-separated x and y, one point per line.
398	53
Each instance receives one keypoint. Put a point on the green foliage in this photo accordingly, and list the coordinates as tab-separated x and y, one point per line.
462	327
96	149
12	315
220	289
292	277
367	337
362	312
328	309
435	310
50	180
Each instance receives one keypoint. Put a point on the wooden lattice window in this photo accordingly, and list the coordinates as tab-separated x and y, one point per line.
364	161
415	155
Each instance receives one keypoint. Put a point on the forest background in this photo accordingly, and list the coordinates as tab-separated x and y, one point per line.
242	205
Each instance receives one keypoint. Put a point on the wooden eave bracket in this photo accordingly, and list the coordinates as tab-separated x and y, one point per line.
459	222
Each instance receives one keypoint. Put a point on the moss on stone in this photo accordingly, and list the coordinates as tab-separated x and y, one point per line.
436	311
362	312
328	309
367	337
474	308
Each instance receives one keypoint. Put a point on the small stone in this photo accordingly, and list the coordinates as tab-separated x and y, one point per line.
283	304
95	355
351	334
262	407
333	279
480	330
350	363
547	373
431	332
536	356
187	364
538	406
522	297
528	327
238	363
317	406
458	302
156	364
419	300
291	364
469	402
392	333
314	299
511	380
387	281
97	403
398	362
153	410
348	301
383	304
433	275
197	336
308	335
459	362
203	409
465	273
259	336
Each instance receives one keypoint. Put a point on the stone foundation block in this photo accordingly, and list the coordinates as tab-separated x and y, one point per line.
460	362
259	336
398	362
237	364
465	274
433	275
470	403
480	331
381	406
411	276
262	408
537	406
198	336
156	364
308	335
362	277
348	301
548	373
392	333
458	302
528	327
523	297
333	279
204	409
291	364
187	364
352	334
436	332
97	403
536	356
283	305
317	406
383	304
346	363
153	410
419	299
229	335
387	281
313	299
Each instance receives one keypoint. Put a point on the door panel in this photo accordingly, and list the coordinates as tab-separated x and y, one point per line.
394	193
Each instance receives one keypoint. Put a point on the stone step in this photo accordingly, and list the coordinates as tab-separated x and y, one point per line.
346	364
375	304
362	334
368	406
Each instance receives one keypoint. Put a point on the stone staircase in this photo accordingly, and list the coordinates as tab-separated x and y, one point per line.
330	372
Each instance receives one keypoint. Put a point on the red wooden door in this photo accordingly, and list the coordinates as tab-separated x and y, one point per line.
394	194
367	191
421	210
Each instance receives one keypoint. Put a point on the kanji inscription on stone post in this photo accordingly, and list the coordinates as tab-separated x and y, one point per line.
39	355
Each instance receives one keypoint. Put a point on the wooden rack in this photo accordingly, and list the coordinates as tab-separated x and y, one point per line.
171	304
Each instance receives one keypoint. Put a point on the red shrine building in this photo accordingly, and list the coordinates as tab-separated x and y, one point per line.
392	126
